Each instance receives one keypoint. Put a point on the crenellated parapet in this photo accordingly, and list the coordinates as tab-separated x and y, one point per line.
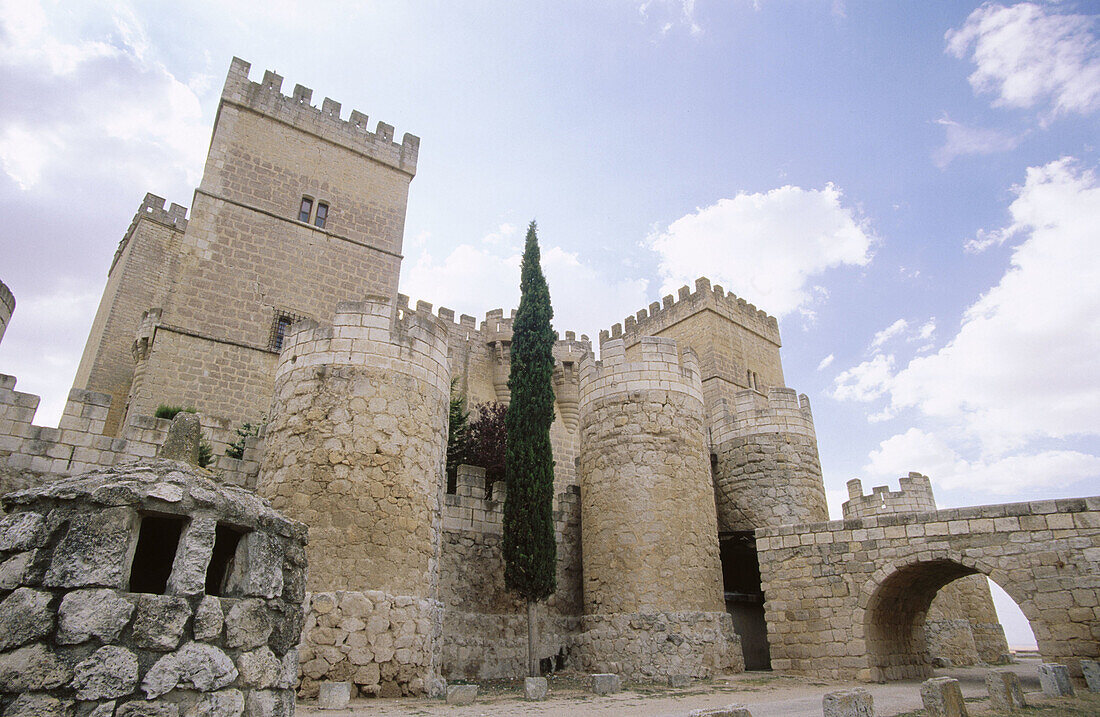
152	209
661	366
673	309
266	98
780	410
914	496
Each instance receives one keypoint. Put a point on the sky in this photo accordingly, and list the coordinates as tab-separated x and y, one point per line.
910	187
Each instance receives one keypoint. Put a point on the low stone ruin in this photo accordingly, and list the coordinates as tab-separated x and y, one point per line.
148	589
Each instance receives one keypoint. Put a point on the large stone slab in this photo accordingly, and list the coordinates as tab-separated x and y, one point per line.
1054	679
942	697
727	711
1091	671
1004	690
461	694
110	672
95	551
32	668
98	613
334	695
25	615
159	622
535	688
848	703
605	683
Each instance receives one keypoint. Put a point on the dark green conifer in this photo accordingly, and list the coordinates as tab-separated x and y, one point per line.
530	552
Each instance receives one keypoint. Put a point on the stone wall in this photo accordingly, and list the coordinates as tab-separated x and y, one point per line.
32	455
767	471
355	449
847	599
643	453
485	624
101	612
7	307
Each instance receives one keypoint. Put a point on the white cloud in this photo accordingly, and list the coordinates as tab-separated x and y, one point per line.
927	329
1029	55
960	140
765	247
98	100
671	13
1023	363
918	450
888	333
867	381
473	279
826	362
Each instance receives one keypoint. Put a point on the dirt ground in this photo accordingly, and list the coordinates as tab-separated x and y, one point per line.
765	694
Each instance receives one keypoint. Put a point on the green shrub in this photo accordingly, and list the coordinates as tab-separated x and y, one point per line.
165	410
236	448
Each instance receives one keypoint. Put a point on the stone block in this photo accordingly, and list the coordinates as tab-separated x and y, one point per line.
461	694
605	683
942	697
32	668
202	666
679	681
248	624
160	621
1091	671
22	531
85	614
182	441
1054	679
94	551
208	619
110	672
848	703
24	616
727	711
39	705
334	695
1004	691
535	688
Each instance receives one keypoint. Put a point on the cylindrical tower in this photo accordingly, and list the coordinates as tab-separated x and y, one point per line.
767	471
652	574
356	448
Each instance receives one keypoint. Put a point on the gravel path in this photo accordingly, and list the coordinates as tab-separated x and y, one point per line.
765	694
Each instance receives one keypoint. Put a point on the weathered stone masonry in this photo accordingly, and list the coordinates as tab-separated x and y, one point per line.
847	599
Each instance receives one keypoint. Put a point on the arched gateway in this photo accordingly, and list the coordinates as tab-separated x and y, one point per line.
847	599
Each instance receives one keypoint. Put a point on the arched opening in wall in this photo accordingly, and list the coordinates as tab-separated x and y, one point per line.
745	596
936	613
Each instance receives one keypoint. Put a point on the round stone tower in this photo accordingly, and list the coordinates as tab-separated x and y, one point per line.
767	471
356	448
652	575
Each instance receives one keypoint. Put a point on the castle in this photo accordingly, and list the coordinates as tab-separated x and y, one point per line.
687	478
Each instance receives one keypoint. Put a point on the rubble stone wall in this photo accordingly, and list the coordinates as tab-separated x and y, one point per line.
355	449
767	470
74	634
643	453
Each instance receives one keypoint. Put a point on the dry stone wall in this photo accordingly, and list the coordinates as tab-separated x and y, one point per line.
767	471
355	449
85	624
847	599
658	579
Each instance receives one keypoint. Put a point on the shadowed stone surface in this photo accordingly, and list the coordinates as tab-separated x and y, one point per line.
1054	679
24	616
182	443
848	703
1004	691
942	697
461	694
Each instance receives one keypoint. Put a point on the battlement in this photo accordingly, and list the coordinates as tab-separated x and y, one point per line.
266	98
780	410
914	496
152	208
661	366
31	454
469	510
671	310
376	332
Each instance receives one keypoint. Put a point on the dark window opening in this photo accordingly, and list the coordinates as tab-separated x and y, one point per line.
158	539
305	210
223	560
280	328
322	214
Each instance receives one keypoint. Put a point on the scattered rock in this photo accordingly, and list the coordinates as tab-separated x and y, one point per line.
942	697
535	688
461	694
334	695
605	683
848	703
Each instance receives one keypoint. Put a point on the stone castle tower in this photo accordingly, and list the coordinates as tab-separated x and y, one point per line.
277	301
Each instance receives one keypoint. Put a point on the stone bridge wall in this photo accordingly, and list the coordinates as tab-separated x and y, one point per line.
847	599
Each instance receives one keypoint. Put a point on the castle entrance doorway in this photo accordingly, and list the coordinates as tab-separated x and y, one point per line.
745	597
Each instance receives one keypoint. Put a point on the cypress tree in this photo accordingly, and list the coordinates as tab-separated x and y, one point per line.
530	552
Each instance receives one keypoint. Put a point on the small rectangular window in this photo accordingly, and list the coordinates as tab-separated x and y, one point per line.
322	214
158	539
305	210
279	329
223	560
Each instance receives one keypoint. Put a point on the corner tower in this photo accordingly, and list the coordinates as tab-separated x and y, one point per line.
298	210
